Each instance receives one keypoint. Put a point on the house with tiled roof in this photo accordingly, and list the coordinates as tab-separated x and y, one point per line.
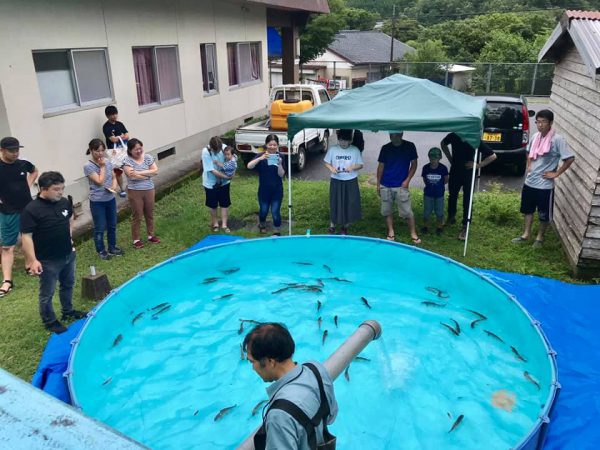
574	46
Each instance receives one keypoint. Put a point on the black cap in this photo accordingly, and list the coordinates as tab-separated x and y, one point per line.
10	143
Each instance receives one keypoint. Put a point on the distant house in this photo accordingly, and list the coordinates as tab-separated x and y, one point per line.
575	100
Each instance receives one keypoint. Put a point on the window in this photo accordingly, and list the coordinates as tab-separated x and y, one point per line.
70	79
156	75
324	96
243	61
208	58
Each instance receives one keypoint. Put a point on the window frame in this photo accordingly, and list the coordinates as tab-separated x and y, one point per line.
241	83
79	105
160	103
214	68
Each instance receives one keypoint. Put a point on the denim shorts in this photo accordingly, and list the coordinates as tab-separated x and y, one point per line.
433	204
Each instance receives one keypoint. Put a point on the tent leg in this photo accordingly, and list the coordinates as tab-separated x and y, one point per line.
289	189
470	203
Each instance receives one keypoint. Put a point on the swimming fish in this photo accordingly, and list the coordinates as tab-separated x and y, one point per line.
364	300
117	340
341	280
320	282
258	406
250	321
434	304
136	318
223	412
456	423
528	377
303	263
335	320
450	328
312	288
160	311
478	314
279	291
346	374
476	321
196	412
327	268
319	304
325	333
517	354
319	322
210	280
108	380
223	297
230	271
241	329
160	305
457	325
495	336
361	358
438	292
449	415
242	355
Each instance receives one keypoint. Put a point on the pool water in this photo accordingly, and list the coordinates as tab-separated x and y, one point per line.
161	357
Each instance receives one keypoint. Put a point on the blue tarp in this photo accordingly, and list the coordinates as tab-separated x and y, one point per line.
273	43
569	315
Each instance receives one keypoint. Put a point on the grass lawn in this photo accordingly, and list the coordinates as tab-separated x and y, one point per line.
182	219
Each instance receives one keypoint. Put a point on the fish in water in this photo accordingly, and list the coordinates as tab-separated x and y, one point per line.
450	328
242	354
279	291
136	318
456	423
449	415
108	380
230	271
341	280
457	325
478	314
303	263
517	354
223	413
160	305
434	304
366	302
495	336
241	329
196	412
160	311
438	292
255	322
529	378
476	321
312	288
320	282
117	340
223	297
346	374
258	406
210	280
325	333
362	358
319	321
319	305
335	320
327	268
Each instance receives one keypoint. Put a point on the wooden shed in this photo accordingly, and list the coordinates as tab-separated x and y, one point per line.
574	46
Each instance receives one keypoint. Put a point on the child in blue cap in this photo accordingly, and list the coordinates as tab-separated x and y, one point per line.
435	176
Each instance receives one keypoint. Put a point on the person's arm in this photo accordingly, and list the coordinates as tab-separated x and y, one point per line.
490	159
379	175
114	139
32	265
98	178
411	173
359	162
32	176
446	150
132	174
150	172
446	179
563	167
252	164
280	168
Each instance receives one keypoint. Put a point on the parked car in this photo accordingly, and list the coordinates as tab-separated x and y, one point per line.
506	129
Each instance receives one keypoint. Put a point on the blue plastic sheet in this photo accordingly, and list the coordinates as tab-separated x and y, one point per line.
569	315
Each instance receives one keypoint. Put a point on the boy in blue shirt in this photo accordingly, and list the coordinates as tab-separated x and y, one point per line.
435	176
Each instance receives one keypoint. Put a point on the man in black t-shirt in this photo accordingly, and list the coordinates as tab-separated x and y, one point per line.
49	252
16	178
115	132
461	167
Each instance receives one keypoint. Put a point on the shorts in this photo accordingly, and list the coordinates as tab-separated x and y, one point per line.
433	204
402	198
10	227
540	199
218	196
117	171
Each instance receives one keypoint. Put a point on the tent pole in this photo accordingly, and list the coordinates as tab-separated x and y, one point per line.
479	174
471	202
289	174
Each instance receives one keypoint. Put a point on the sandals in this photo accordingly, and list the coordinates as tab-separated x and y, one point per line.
4	292
331	230
415	241
391	237
215	228
226	230
262	229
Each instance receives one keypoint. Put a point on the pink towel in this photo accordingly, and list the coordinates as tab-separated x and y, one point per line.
541	145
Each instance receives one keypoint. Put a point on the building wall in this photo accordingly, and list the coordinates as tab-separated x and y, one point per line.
58	142
575	101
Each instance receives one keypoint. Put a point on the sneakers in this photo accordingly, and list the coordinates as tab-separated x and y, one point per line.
55	327
116	251
154	239
462	235
138	244
122	194
74	314
538	244
519	240
104	255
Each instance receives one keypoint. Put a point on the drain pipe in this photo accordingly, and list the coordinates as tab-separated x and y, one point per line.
367	331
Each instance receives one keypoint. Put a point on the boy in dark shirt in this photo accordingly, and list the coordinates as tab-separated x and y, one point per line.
435	175
115	133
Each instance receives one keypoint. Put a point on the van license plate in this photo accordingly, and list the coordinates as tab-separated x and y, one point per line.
492	137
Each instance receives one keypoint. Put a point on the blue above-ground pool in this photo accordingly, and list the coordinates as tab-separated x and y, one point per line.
460	363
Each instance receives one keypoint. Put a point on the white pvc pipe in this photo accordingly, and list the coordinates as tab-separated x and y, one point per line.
470	202
367	331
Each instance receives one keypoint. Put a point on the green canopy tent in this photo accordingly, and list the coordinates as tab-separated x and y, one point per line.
398	102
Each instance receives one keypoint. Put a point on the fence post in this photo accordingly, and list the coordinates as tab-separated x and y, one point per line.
489	79
535	69
446	80
334	70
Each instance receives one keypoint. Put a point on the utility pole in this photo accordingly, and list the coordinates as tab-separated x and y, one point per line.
393	32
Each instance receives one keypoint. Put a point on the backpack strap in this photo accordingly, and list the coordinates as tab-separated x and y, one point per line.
324	410
293	410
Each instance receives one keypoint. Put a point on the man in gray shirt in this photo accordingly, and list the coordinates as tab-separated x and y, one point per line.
545	151
270	348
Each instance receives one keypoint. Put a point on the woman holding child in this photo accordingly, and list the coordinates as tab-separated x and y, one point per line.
216	181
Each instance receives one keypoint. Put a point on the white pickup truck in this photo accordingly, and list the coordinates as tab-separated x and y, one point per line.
250	139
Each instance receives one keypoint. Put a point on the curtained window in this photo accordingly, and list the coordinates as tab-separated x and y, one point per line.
244	62
156	75
208	59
